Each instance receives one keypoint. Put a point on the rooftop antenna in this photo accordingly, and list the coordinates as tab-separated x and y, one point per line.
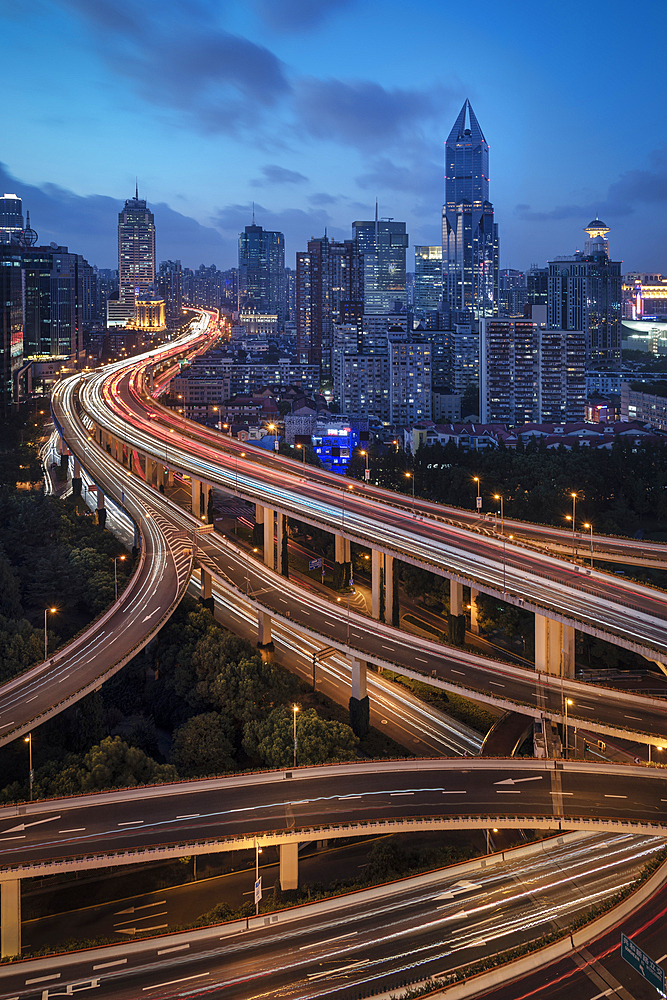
136	188
253	213
376	225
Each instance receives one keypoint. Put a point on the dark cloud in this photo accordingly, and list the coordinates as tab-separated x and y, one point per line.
322	198
420	177
297	15
273	174
364	114
624	196
89	226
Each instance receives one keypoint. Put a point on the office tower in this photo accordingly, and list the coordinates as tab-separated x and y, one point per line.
169	282
11	217
290	294
584	293
329	289
465	357
136	250
410	387
57	286
428	280
537	285
529	374
470	248
11	323
512	292
262	271
383	244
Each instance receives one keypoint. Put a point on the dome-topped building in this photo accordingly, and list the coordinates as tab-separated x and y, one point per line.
597	241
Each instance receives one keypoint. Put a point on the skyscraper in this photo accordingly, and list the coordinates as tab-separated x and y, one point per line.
329	284
383	243
428	280
585	293
470	248
136	250
11	217
262	271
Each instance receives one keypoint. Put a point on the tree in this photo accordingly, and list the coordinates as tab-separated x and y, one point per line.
110	764
203	746
319	741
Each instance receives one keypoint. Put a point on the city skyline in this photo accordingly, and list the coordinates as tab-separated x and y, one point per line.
311	113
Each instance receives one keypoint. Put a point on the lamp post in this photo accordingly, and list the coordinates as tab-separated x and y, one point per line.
475	479
411	475
273	427
505	561
247	571
303	454
258	851
28	740
590	527
568	702
367	473
575	497
115	575
46	638
497	496
295	709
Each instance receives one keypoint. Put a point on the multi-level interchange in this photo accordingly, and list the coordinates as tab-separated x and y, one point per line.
114	429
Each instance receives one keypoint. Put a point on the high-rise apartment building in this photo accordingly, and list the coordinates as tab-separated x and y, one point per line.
11	217
428	280
470	247
584	293
410	372
262	271
169	282
360	370
136	250
383	244
11	323
329	287
531	374
57	286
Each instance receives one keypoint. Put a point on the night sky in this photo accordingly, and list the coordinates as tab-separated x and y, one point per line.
313	108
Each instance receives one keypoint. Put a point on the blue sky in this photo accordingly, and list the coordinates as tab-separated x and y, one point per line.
313	108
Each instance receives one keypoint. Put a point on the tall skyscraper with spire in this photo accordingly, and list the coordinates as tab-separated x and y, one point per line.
470	249
136	249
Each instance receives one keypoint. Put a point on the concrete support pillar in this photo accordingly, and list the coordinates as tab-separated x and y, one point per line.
10	918
269	541
289	866
347	544
196	497
358	669
161	471
455	598
101	510
170	477
136	542
388	588
206	589
281	545
377	564
263	628
339	542
76	478
474	623
554	647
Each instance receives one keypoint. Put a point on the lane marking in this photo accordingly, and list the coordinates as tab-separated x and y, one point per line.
340	937
460	791
146	916
515	781
43	979
615	796
37	822
508	791
20	837
190	816
420	659
561	793
343	798
108	965
75	829
34	698
63	678
460	672
390	648
496	684
178	947
401	793
131	822
6	725
635	717
171	982
335	972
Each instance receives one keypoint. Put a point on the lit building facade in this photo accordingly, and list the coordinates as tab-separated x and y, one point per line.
11	217
428	279
11	325
136	250
410	399
383	244
261	274
470	245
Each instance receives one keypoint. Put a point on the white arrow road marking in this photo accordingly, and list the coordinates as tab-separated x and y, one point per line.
147	916
24	826
515	781
150	615
133	930
133	909
457	889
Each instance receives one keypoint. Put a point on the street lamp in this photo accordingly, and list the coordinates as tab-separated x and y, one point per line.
46	639
411	475
258	851
568	701
28	740
272	427
367	474
505	560
303	453
475	479
497	496
590	527
115	575
575	497
247	571
295	709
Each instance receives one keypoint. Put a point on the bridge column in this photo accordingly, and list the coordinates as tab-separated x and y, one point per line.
170	477
76	478
258	530
269	539
264	640
377	565
289	866
196	497
389	590
10	918
554	647
206	590
359	704
343	559
160	476
457	620
282	553
101	509
474	621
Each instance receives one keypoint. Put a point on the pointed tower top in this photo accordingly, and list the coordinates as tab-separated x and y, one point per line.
466	125
253	213
136	188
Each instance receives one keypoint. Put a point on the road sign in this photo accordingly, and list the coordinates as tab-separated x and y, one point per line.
367	474
315	564
642	964
479	503
258	889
